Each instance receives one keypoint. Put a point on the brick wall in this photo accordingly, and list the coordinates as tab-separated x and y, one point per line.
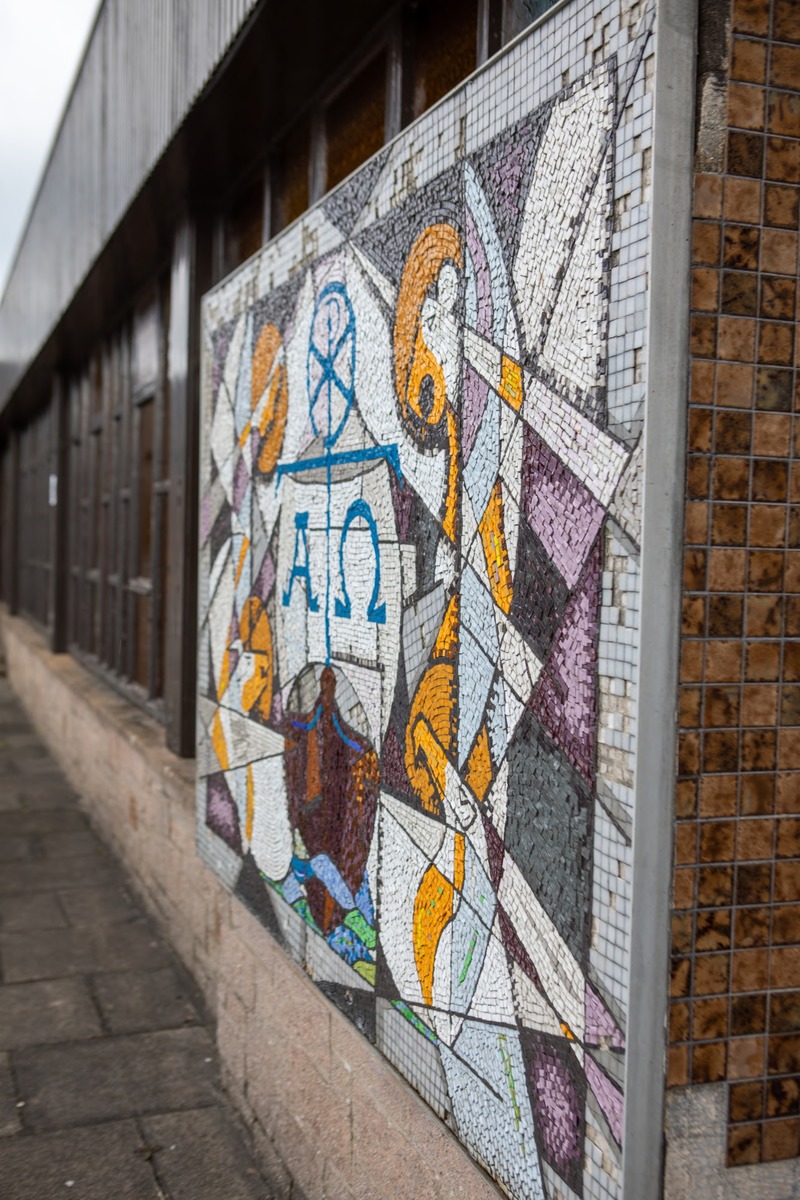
735	1000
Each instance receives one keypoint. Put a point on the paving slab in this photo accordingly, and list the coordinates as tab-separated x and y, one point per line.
46	797
71	872
98	905
70	844
50	953
108	1076
198	1156
15	849
105	1163
136	1001
83	1083
57	1010
39	910
21	821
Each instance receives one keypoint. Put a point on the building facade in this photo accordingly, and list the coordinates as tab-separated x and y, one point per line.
398	554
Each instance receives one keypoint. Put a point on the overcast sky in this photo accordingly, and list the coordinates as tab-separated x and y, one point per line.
41	45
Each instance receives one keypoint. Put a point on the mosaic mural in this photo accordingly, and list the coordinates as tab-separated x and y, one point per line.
419	582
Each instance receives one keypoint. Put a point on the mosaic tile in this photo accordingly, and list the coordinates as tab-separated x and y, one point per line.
419	595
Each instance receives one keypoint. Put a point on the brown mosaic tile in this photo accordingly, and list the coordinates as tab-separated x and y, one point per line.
767	525
789	757
782	1097
783	159
700	430
746	108
775	343
751	16
739	294
735	338
753	884
743	198
708	196
772	431
717	840
758	794
784	67
785	924
778	298
770	481
748	1016
733	431
721	750
740	245
746	1101
783	117
702	382
746	1057
709	1062
678	1066
714	886
682	932
694	570
750	970
744	1145
713	929
734	385
787	23
686	844
759	705
749	60
709	1019
787	796
791	661
726	570
704	336
784	968
754	840
706	243
736	924
746	150
778	251
774	389
784	1012
765	570
792	571
788	842
726	616
758	750
781	205
752	925
763	661
787	882
784	1054
781	1140
696	524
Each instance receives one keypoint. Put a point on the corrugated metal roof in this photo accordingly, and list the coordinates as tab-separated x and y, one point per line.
144	66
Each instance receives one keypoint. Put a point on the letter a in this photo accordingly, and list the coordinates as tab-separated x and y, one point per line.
300	567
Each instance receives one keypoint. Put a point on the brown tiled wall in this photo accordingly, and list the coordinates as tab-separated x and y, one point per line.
735	1010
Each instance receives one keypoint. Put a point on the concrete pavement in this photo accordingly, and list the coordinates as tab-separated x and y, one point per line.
108	1077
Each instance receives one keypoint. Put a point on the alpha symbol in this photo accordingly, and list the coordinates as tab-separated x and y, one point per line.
300	565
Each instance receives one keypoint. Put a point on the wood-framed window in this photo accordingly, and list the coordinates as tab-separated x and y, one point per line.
416	56
35	494
119	420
